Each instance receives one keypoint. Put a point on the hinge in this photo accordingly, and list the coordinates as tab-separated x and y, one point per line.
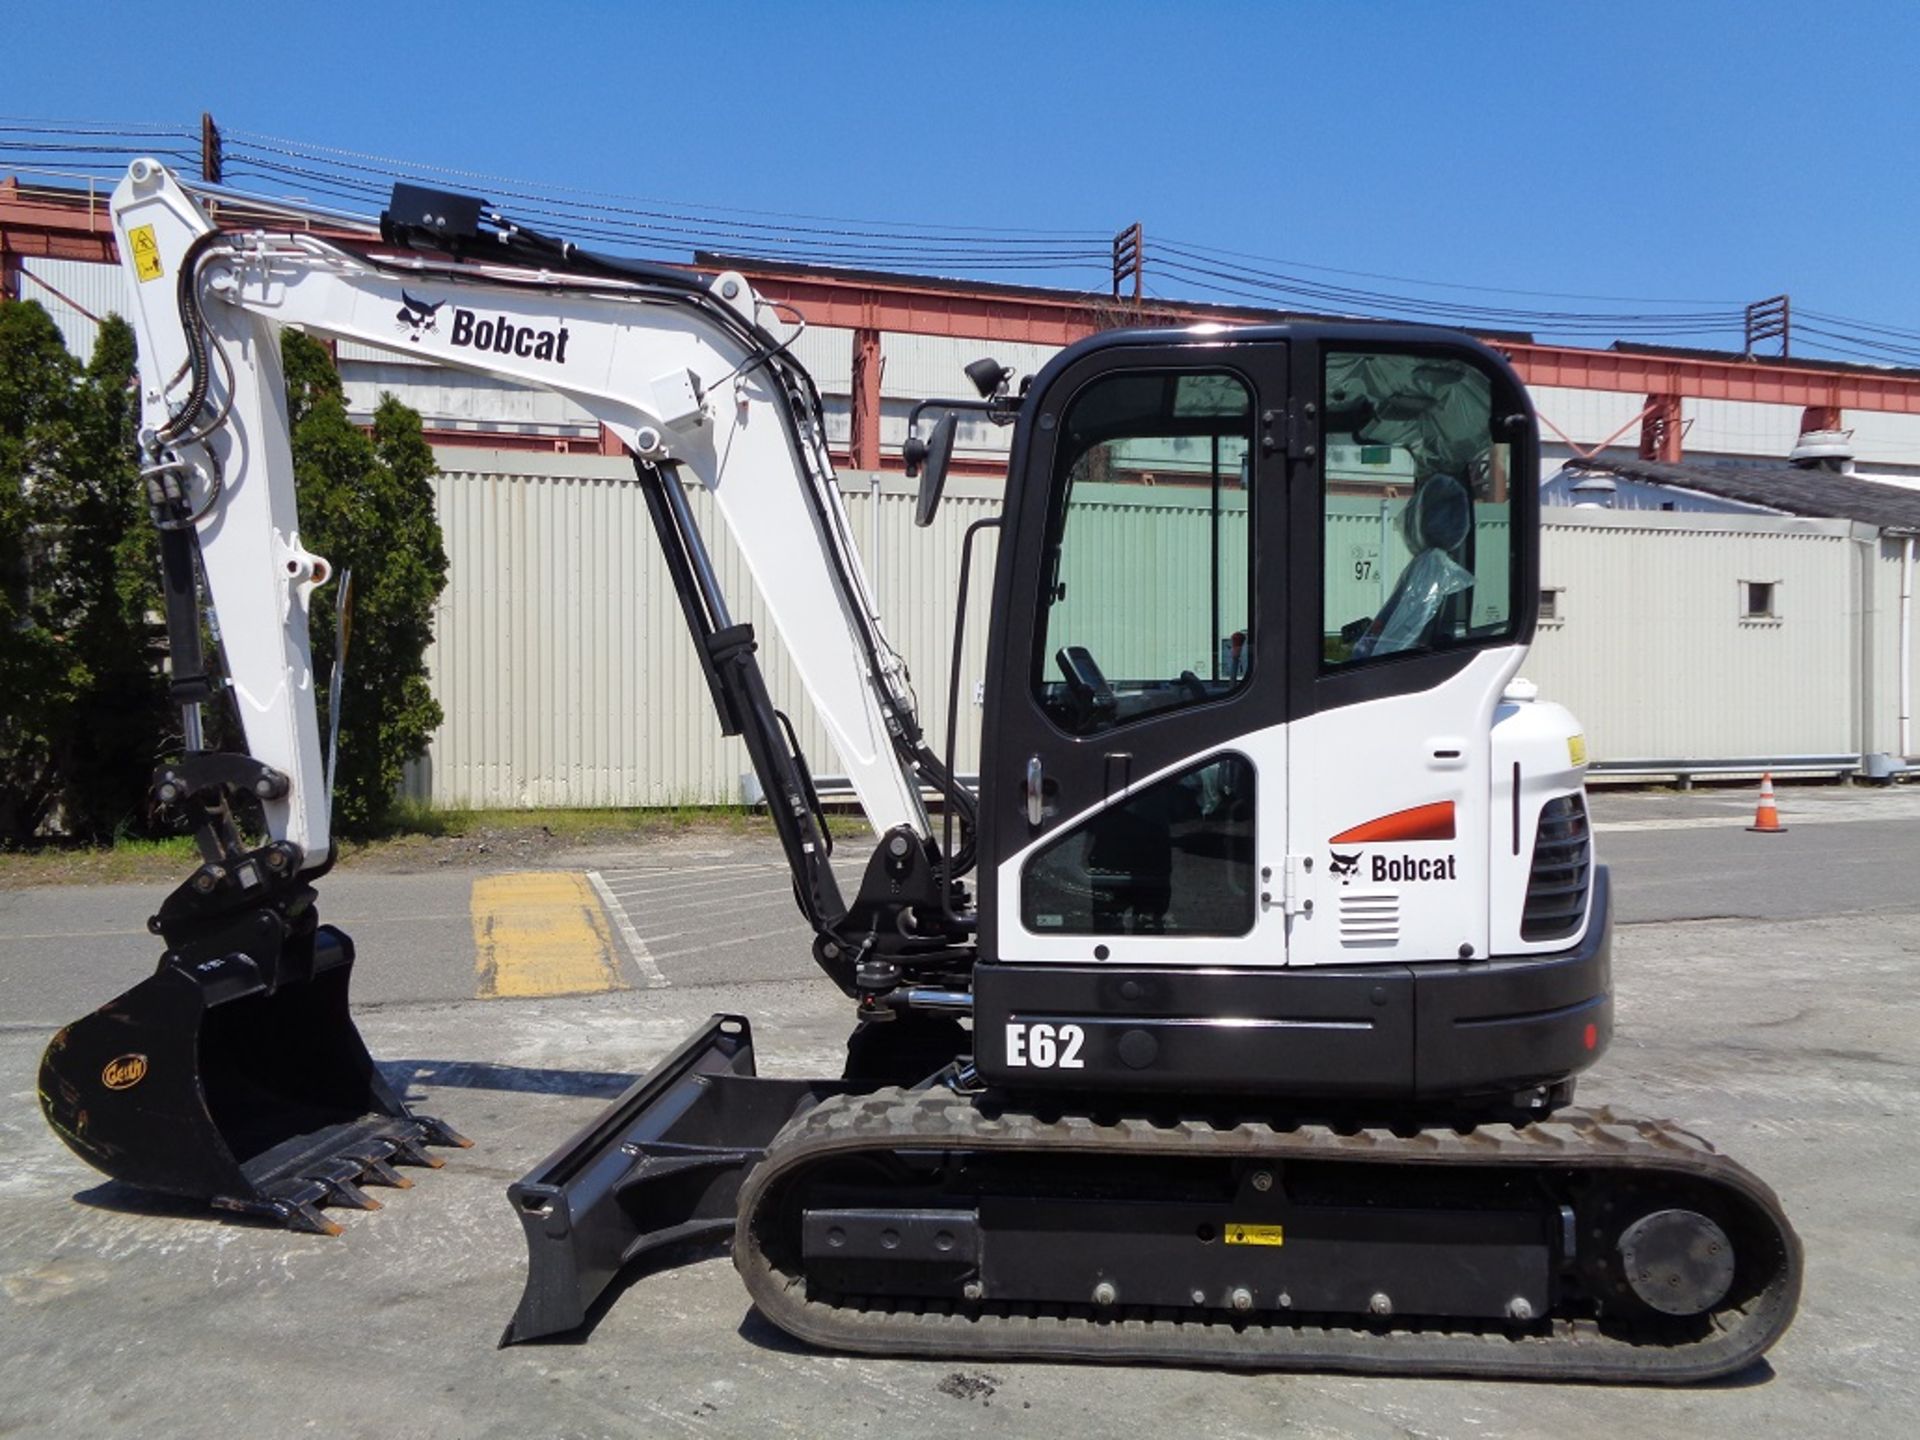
1293	897
1302	429
1290	431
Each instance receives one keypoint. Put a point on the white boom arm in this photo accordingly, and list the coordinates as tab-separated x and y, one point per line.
678	377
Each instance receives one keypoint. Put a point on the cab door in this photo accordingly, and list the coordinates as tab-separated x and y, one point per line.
1415	565
1134	786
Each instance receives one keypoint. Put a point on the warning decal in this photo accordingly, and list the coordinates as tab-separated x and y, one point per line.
1256	1235
146	253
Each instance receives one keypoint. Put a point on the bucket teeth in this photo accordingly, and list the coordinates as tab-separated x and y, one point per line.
308	1219
411	1152
379	1172
345	1192
438	1132
343	1176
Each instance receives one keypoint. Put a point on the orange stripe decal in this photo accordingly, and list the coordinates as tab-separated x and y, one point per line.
1422	822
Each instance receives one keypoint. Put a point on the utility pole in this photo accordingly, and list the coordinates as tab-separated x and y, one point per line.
1768	320
210	156
1130	258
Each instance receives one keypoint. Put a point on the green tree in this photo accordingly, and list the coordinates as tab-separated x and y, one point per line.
81	702
121	722
366	504
37	682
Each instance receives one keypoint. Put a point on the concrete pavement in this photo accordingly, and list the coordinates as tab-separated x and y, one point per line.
1792	1038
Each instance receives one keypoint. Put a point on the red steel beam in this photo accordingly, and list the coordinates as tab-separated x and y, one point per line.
1661	429
865	447
1702	378
921	309
33	225
37	228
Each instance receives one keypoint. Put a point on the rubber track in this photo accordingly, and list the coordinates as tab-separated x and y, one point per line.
1554	1349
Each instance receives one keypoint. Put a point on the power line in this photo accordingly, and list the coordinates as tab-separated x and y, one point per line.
1876	328
675	227
1281	282
1216	250
1249	287
1907	352
629	204
289	168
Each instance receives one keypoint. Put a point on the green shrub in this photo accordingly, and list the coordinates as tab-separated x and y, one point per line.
83	710
82	705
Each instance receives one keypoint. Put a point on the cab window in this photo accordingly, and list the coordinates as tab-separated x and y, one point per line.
1145	593
1418	542
1174	858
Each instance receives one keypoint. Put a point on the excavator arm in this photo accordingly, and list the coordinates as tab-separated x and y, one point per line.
683	369
235	1073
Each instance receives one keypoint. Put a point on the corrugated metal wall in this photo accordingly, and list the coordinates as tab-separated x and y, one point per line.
925	367
564	666
1117	534
1883	441
451	399
95	291
1652	652
1883	618
568	678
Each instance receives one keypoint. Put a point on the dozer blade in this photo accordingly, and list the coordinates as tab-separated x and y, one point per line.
210	1080
659	1168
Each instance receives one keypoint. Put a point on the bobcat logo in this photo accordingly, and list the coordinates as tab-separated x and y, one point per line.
417	316
1345	865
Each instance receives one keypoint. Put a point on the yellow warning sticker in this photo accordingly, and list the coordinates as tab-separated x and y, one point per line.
1256	1235
1577	749
146	253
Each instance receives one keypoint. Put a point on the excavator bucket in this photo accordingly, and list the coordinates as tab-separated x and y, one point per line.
239	1080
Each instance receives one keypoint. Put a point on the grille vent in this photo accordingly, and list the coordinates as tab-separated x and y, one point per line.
1562	869
1370	917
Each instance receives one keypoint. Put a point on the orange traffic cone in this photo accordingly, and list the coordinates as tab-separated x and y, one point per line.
1766	820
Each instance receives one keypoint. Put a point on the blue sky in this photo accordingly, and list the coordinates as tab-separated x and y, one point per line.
1702	154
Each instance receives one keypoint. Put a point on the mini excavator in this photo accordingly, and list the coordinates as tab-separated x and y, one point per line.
1233	1019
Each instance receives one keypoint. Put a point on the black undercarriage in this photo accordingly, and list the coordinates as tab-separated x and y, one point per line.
934	1220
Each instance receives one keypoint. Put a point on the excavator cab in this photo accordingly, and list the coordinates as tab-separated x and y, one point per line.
1257	811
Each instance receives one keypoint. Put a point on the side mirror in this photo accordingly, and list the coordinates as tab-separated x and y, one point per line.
933	460
989	377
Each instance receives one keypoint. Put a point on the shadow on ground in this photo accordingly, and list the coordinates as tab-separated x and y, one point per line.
483	1075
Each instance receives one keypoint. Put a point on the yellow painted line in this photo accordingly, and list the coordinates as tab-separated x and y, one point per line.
541	932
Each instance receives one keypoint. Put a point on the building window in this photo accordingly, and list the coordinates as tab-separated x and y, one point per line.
1757	600
1552	612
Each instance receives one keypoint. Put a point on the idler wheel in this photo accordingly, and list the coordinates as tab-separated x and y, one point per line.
1678	1262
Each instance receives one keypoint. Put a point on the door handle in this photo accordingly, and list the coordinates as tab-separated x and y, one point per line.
1036	777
